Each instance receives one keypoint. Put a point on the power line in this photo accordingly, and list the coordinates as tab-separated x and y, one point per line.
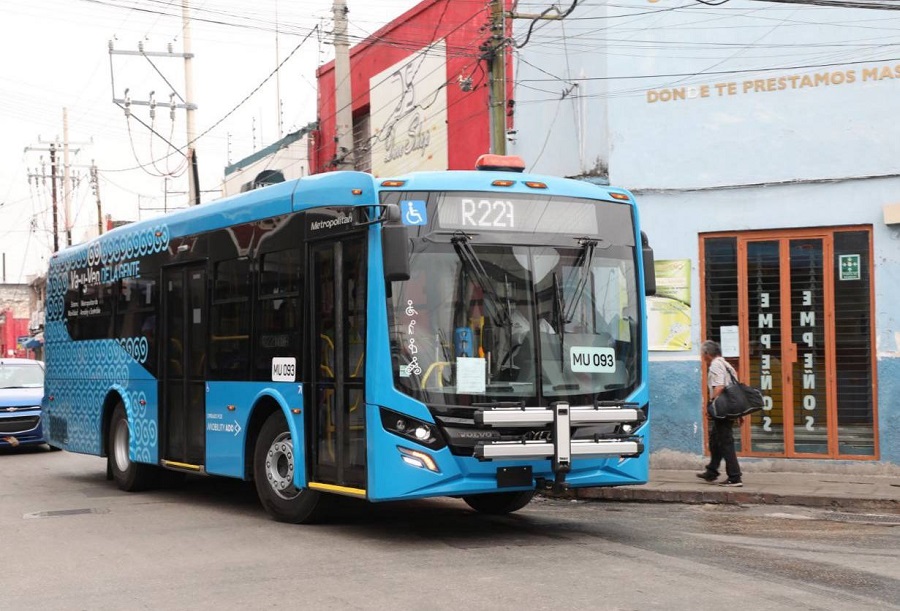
882	6
720	72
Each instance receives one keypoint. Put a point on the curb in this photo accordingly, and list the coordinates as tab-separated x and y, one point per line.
728	497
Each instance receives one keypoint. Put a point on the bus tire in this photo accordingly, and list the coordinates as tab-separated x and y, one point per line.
273	472
130	476
499	503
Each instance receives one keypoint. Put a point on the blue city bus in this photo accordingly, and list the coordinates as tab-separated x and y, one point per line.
475	334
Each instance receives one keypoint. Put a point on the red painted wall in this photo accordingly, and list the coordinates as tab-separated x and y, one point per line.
464	24
10	330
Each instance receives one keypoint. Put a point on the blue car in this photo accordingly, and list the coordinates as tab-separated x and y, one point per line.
21	390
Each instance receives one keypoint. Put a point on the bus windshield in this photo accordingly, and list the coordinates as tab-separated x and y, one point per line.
540	315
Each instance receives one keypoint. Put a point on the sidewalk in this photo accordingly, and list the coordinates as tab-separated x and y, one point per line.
866	493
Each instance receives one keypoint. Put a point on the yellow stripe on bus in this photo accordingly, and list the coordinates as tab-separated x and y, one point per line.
181	465
338	489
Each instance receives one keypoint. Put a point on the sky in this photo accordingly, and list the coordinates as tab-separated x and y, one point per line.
56	55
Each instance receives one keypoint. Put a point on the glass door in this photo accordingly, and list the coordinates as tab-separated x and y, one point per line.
787	346
338	287
184	364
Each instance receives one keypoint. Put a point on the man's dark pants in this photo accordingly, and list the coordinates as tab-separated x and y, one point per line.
721	447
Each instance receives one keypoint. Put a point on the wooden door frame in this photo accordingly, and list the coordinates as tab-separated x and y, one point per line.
783	237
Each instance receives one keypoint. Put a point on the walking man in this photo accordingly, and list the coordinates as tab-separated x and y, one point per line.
721	435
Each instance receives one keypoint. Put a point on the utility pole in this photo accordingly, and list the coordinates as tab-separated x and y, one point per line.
95	185
277	75
53	197
51	148
495	49
67	187
342	93
193	177
495	52
187	56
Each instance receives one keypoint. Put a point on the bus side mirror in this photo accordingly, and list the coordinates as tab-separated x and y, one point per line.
394	246
649	268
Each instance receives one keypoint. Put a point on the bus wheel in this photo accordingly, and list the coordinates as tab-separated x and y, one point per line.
499	503
130	476
273	471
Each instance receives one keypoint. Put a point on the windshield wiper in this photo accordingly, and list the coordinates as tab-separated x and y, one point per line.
497	309
558	319
587	257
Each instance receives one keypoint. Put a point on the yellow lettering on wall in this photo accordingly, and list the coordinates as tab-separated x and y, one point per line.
775	84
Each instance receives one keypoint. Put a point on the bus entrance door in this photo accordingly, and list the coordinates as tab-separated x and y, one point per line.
337	276
183	364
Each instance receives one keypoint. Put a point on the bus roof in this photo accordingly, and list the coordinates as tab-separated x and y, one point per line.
329	189
347	188
480	180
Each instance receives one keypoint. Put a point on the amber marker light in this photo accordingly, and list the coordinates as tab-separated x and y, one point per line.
356	191
393	183
620	196
503	183
535	185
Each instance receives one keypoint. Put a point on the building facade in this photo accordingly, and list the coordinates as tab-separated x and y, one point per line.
286	159
419	91
15	313
762	147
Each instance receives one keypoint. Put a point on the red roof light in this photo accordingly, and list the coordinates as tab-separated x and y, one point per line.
503	163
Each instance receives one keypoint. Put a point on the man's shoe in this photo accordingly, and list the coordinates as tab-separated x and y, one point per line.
732	483
708	476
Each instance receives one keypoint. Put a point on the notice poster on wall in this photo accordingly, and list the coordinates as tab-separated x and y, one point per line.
669	311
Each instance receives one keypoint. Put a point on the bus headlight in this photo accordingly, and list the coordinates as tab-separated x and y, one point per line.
413	429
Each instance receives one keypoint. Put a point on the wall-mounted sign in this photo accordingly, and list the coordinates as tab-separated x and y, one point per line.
669	311
849	267
408	103
731	344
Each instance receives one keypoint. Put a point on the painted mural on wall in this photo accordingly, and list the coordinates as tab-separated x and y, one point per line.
669	311
408	109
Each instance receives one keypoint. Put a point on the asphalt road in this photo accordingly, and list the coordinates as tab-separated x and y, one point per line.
71	540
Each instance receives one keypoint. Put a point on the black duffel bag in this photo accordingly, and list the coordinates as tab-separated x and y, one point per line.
735	400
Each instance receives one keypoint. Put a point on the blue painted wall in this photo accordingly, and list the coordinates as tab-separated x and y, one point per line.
675	404
889	409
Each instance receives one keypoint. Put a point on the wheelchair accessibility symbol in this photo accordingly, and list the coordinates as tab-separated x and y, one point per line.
413	212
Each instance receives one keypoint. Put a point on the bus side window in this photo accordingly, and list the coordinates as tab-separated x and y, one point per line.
278	309
73	298
229	345
136	314
95	311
